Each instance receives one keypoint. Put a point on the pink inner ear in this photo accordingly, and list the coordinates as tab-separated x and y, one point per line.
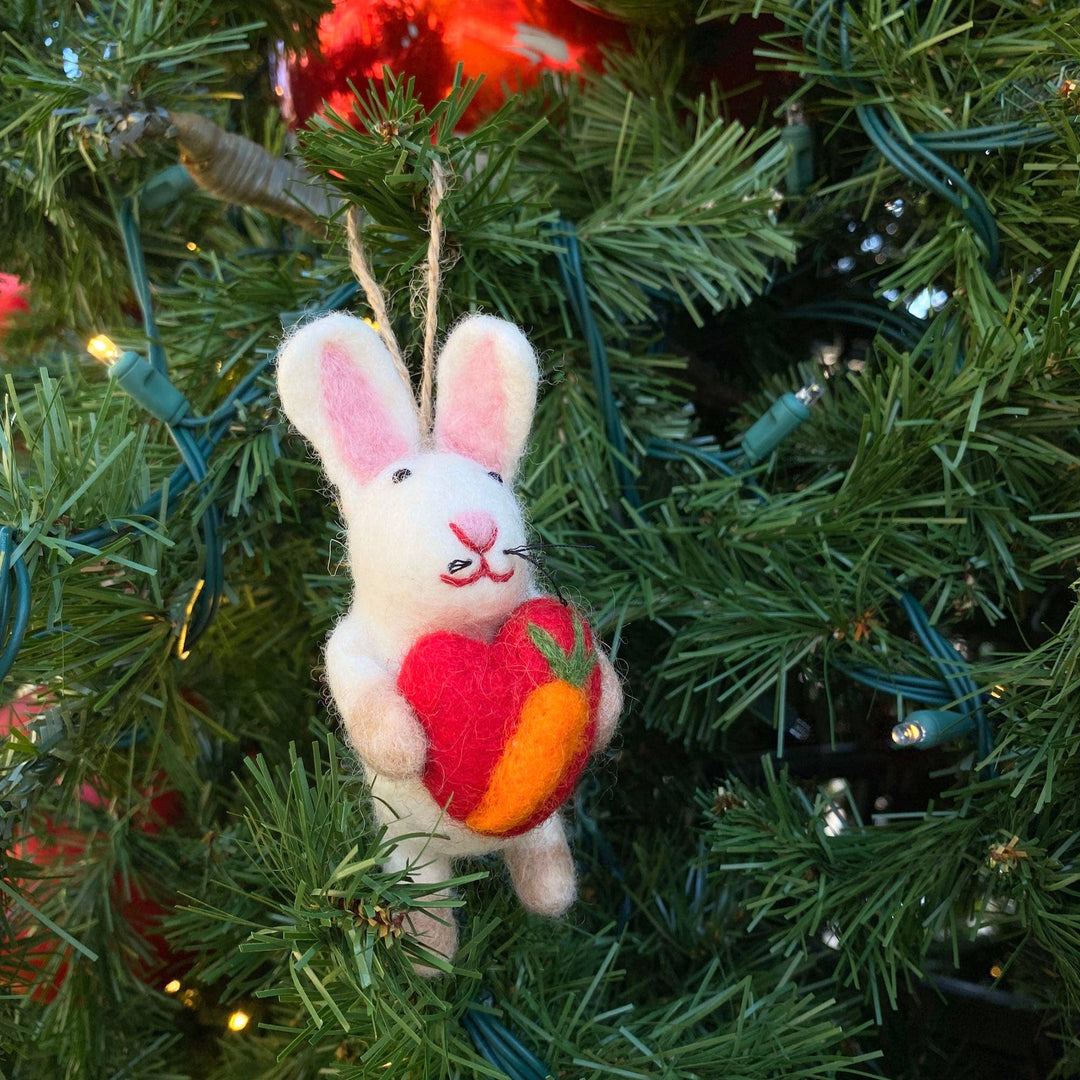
362	425
471	415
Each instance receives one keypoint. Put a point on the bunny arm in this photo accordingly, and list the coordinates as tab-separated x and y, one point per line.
379	723
611	701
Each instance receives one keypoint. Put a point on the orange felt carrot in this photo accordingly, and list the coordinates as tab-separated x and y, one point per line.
549	736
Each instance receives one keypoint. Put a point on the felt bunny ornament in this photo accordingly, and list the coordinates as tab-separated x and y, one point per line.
472	700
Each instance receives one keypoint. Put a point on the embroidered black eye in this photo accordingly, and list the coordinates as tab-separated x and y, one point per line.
495	476
400	475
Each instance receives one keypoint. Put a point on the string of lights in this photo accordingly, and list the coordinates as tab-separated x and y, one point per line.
498	1045
195	437
915	156
569	257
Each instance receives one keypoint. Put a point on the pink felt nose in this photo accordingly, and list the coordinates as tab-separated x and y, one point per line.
475	529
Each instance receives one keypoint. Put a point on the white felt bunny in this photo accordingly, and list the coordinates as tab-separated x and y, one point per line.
431	524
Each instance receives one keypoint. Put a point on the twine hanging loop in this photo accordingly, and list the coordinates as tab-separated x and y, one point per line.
427	294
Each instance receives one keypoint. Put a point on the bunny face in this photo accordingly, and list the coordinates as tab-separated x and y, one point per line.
430	518
430	536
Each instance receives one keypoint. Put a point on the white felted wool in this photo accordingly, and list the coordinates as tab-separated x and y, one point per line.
542	869
485	385
340	388
429	528
408	527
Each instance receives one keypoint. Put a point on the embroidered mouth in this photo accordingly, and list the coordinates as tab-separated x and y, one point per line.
482	571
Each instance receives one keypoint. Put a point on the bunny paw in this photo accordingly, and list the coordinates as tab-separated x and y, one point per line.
387	736
611	701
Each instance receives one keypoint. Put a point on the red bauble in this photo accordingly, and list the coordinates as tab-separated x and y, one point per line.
59	849
164	805
12	299
507	41
15	714
134	902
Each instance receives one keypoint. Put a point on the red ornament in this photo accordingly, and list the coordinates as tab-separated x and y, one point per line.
164	805
59	849
507	41
509	730
15	714
134	902
12	299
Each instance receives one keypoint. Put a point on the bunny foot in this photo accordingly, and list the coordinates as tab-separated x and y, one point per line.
542	869
437	932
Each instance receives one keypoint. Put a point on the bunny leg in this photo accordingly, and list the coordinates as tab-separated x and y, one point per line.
379	724
542	869
433	928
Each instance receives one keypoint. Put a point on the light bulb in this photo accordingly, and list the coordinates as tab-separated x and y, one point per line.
925	728
172	986
239	1020
104	349
908	734
182	650
810	393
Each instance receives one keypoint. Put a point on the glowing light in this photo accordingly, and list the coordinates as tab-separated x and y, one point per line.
995	971
172	986
182	650
908	734
103	348
192	246
239	1020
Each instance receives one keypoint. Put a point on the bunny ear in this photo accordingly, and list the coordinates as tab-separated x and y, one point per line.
486	380
339	386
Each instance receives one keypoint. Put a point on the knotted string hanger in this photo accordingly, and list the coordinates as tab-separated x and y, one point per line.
431	305
427	298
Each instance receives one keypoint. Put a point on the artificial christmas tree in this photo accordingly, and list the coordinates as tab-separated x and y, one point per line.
805	454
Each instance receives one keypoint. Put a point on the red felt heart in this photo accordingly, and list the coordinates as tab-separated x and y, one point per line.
469	696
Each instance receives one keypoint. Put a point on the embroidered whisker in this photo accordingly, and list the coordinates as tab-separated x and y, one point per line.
536	564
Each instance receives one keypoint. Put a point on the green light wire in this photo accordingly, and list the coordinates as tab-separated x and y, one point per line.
140	280
498	1046
902	157
194	453
14	599
915	156
992	137
902	327
886	133
928	691
955	670
573	275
